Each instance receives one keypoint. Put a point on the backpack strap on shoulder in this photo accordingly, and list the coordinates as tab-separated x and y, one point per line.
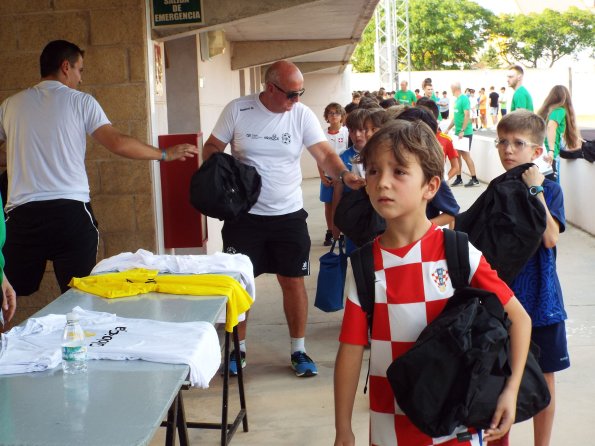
456	247
362	263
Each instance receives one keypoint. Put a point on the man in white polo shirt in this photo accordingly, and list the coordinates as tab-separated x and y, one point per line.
268	131
48	214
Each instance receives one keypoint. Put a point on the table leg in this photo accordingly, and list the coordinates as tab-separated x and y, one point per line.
225	391
181	424
236	345
172	420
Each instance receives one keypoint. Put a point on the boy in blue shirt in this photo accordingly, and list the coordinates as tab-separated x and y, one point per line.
355	124
520	140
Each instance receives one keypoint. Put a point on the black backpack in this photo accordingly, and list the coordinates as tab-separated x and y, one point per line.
506	223
458	367
357	219
223	187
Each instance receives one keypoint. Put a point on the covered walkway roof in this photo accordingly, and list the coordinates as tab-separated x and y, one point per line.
318	35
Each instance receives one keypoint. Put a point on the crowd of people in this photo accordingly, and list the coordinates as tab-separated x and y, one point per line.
556	110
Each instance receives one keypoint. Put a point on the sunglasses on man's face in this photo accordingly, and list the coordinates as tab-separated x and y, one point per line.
290	94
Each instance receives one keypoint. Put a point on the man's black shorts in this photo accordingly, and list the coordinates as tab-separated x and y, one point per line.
63	231
278	244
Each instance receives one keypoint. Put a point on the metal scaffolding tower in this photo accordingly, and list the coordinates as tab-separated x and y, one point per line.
392	55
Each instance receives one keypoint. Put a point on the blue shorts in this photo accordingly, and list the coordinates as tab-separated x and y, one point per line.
551	340
326	193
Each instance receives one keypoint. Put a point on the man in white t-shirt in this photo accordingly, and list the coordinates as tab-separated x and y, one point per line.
268	131
48	214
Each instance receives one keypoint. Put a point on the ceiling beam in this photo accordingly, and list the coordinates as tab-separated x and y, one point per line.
260	52
222	12
310	67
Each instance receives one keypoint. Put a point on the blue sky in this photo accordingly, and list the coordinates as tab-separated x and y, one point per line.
499	6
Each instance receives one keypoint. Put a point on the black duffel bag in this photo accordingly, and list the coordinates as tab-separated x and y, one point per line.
224	188
459	365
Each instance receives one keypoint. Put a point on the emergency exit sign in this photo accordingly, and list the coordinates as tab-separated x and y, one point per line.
176	12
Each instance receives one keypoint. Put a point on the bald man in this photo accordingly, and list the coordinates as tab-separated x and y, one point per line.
268	130
404	95
461	121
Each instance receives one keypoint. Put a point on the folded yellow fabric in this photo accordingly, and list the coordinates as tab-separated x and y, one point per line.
140	281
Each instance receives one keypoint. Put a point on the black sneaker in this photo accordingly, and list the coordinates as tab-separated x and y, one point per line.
328	238
457	182
472	182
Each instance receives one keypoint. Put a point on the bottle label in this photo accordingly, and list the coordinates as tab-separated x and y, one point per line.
78	353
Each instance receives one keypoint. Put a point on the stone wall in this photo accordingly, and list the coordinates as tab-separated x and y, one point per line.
113	35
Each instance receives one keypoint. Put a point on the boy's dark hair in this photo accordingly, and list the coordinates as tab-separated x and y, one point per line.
57	52
416	138
428	104
394	111
350	107
368	102
523	121
378	117
420	113
388	103
356	119
336	107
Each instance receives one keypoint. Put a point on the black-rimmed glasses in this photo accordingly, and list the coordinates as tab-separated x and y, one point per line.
517	144
290	94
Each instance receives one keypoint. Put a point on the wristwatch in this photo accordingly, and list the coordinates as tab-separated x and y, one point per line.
342	175
534	190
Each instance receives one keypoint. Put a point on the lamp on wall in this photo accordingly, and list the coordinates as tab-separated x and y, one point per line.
212	43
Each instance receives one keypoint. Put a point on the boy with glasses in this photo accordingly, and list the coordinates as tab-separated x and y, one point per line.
520	140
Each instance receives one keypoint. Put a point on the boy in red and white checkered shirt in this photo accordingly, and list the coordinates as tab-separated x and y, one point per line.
404	164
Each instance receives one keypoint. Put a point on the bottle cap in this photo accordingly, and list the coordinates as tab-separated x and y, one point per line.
72	317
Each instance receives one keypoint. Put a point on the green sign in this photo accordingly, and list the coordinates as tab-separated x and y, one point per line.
176	12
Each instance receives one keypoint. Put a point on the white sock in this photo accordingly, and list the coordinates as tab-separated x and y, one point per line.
243	346
298	345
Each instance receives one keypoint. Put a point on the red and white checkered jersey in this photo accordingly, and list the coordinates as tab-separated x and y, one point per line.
412	287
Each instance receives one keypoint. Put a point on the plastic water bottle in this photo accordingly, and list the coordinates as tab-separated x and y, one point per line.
74	350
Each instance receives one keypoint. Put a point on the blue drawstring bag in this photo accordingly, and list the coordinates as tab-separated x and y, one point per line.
331	279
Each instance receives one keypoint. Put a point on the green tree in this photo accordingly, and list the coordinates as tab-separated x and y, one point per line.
490	58
363	56
548	36
443	34
446	33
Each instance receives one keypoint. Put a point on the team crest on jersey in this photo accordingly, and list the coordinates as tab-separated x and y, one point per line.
440	277
286	138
